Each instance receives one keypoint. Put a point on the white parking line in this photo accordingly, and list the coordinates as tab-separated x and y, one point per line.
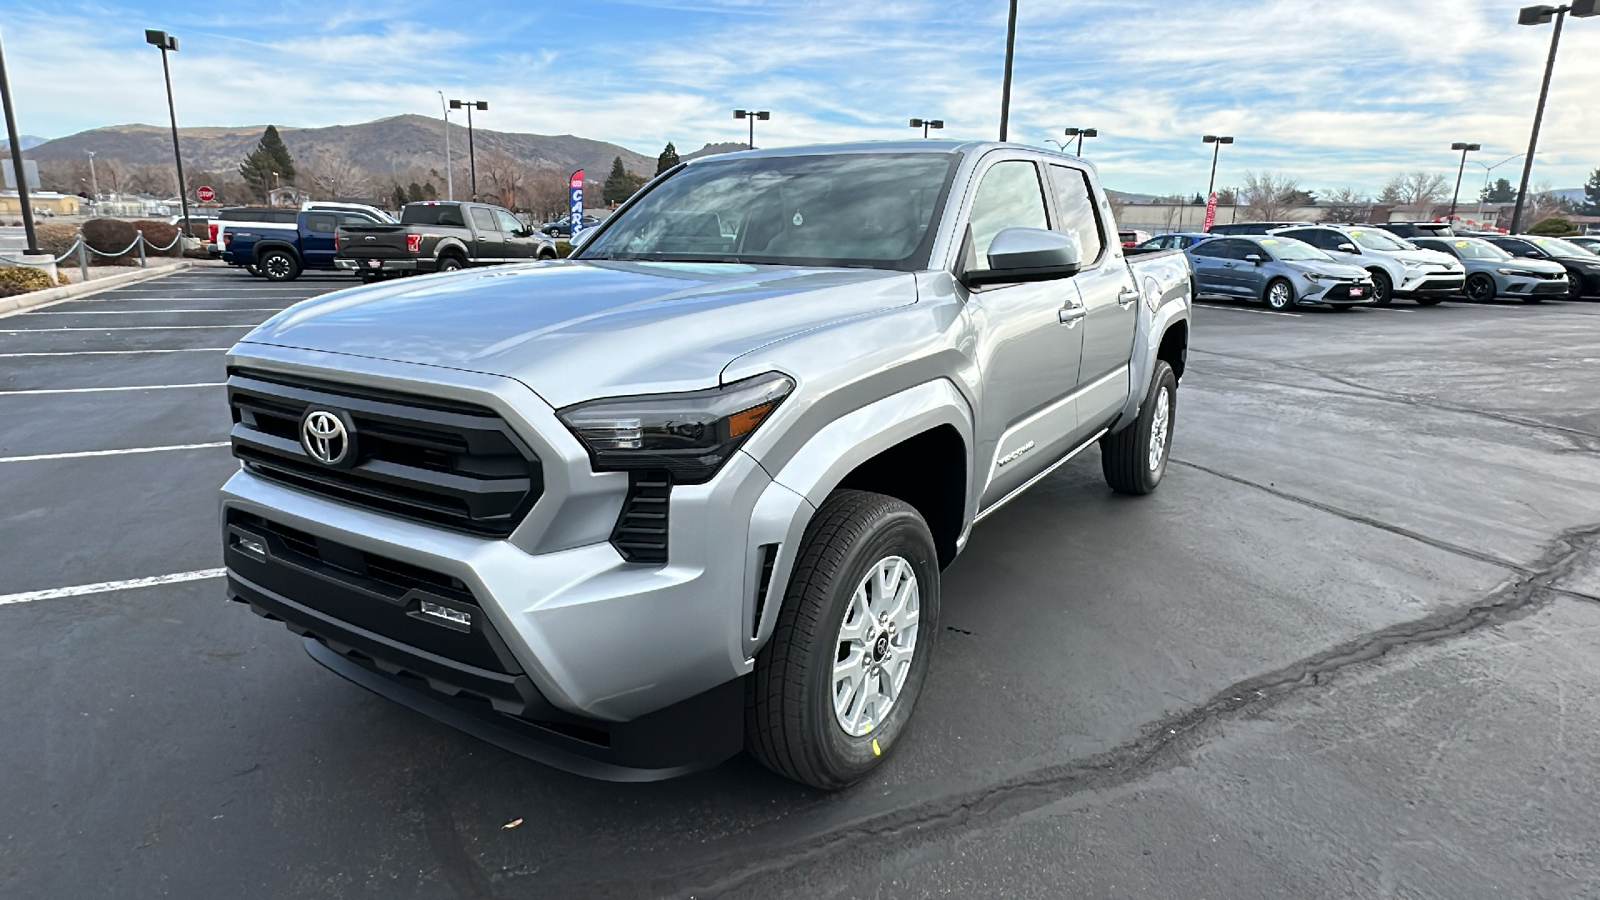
87	453
1259	312
119	328
131	312
116	352
93	390
1390	309
106	586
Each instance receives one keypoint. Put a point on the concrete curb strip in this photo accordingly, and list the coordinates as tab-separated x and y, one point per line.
31	299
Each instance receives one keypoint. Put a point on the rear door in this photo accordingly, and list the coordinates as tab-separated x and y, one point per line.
1110	299
489	245
1213	267
1029	336
316	239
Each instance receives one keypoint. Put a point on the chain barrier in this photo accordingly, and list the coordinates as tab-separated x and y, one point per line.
79	246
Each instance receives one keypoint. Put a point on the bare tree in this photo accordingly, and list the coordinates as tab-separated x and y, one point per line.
504	175
546	193
1346	205
334	175
1268	196
1417	189
1542	203
1172	216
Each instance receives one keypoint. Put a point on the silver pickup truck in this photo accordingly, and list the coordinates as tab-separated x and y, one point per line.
691	490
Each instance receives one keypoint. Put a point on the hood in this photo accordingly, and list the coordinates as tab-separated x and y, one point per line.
1519	264
1428	256
577	330
1326	267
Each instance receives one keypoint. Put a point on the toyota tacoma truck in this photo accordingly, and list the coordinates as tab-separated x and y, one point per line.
690	490
439	236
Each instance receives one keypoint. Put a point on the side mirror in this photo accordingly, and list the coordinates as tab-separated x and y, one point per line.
1254	258
583	237
1029	254
1537	254
1349	248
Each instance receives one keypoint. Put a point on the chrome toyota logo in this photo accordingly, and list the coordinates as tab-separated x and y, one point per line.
326	437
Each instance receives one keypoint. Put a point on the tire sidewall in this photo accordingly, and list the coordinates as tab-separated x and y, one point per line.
899	532
1164	380
449	264
1480	278
266	271
1267	296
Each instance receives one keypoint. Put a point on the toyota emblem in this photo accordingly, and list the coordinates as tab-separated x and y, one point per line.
326	437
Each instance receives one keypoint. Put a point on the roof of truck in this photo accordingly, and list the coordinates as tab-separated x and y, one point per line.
907	145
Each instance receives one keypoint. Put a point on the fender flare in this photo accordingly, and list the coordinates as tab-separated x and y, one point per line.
453	243
262	246
838	448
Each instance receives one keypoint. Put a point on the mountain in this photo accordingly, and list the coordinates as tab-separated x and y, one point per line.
714	149
28	142
395	144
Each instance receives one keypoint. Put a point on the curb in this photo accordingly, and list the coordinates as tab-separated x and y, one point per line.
31	299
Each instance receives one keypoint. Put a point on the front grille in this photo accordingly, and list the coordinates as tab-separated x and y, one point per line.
641	532
440	461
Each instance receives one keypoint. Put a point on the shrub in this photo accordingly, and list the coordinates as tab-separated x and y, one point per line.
1554	226
55	238
16	280
111	236
159	234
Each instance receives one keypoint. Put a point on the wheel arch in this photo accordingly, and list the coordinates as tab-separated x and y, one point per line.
262	247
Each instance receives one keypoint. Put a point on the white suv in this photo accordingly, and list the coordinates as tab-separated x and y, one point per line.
1399	268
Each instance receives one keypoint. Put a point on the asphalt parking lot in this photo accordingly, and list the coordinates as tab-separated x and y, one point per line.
1349	648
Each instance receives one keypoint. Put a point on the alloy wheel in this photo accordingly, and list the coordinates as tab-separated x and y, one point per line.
1160	430
876	642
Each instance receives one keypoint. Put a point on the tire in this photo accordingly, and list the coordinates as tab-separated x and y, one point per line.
253	270
1279	294
1382	288
792	725
1429	301
367	278
1480	288
547	255
1574	285
449	264
278	265
1531	299
1125	455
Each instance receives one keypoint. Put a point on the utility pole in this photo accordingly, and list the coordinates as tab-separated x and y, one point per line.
472	154
1005	88
94	183
1539	15
449	170
1460	170
16	158
167	42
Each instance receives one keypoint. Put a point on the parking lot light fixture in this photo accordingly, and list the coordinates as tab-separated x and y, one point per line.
1540	15
752	115
1460	170
1216	141
472	156
1080	134
15	149
925	124
165	42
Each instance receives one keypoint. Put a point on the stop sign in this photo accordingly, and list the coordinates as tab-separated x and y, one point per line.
205	194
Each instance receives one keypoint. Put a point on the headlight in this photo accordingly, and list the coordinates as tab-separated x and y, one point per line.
1413	264
690	434
1510	272
1311	276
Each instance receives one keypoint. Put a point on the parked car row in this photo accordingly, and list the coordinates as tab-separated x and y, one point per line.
1285	265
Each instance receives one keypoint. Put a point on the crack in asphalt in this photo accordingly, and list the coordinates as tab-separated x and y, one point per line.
1583	440
1360	519
1162	744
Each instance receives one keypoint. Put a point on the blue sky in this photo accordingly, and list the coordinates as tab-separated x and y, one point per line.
1345	93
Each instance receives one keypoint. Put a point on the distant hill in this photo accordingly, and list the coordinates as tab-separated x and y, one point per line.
398	143
714	149
28	142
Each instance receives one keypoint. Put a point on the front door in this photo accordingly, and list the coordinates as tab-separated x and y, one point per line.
1110	301
490	244
1030	338
518	245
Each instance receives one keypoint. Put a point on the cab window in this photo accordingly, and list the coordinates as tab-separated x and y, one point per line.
1008	197
1076	213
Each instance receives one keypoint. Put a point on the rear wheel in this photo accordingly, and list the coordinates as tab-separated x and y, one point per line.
449	264
1382	288
279	265
1480	288
1280	294
834	688
1135	458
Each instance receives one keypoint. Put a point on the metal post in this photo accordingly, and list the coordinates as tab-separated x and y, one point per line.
1538	115
472	156
83	259
140	242
183	188
16	158
1080	145
1211	186
449	173
752	132
1461	169
94	183
1005	89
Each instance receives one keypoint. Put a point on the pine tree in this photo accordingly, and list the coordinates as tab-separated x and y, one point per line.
1592	191
269	165
1500	192
667	159
429	192
399	197
620	183
273	144
414	193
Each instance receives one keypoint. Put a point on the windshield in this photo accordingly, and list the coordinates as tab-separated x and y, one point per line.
1557	248
1379	240
1474	249
863	209
1291	249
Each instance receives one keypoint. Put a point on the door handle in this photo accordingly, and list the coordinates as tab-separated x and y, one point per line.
1069	315
1127	297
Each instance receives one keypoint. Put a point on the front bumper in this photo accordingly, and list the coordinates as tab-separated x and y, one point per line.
1528	285
401	266
1341	293
1431	284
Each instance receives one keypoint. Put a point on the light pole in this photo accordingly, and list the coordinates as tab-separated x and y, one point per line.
167	42
16	159
1465	149
1539	15
449	171
1005	87
752	115
1080	134
1216	141
472	153
925	124
1487	172
94	183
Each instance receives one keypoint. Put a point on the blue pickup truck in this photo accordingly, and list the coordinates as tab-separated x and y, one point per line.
281	253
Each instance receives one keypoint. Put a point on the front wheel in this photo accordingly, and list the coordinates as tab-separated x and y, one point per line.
279	265
1382	288
1480	288
1135	458
1574	285
834	688
1280	295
